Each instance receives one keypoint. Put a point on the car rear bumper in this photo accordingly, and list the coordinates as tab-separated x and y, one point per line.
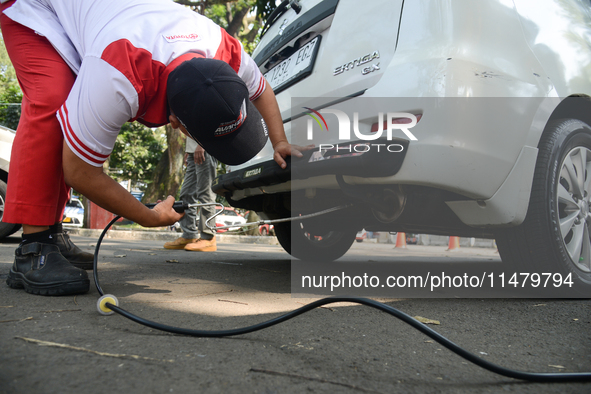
378	158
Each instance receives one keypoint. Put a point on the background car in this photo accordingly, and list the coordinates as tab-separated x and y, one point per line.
498	95
74	213
6	138
227	218
361	235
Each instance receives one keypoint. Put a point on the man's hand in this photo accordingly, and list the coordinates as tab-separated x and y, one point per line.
283	149
267	106
199	155
165	213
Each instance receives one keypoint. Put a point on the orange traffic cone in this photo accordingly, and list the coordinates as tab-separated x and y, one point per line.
401	240
454	244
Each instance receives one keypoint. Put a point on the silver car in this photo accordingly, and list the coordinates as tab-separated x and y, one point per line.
465	118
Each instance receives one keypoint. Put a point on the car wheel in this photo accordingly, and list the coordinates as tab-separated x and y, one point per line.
304	244
555	236
6	229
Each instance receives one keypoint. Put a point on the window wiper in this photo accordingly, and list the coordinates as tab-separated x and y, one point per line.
280	10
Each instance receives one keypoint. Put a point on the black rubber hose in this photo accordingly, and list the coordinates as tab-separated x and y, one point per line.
96	255
529	376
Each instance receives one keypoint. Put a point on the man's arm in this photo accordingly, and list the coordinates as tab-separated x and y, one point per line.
101	189
267	106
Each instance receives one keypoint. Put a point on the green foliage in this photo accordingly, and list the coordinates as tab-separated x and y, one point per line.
10	92
136	153
242	19
217	13
7	73
265	8
10	114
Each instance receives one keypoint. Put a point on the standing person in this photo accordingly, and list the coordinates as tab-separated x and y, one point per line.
199	176
85	68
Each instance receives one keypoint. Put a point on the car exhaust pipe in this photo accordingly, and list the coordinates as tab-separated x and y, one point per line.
391	206
386	205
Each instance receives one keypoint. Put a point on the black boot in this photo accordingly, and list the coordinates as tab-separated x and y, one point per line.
73	253
40	269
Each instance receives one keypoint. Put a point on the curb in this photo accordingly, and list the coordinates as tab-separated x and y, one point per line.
169	236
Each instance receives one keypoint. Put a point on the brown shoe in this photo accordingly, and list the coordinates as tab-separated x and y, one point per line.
179	243
202	245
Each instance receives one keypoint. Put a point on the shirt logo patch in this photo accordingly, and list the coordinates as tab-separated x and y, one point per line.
181	37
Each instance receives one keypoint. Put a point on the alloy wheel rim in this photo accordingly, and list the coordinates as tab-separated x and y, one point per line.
573	202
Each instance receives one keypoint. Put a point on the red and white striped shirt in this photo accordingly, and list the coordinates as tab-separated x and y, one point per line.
122	53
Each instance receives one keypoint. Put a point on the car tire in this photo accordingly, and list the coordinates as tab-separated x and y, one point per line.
298	242
555	236
6	229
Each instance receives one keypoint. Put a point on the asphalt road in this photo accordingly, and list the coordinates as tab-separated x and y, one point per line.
63	345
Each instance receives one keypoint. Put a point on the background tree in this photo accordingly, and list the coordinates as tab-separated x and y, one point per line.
242	19
136	153
168	174
10	108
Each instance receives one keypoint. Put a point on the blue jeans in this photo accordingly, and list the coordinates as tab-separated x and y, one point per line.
197	188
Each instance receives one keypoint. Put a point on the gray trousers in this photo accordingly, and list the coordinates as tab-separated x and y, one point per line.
197	189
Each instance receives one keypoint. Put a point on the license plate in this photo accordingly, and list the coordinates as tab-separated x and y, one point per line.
297	66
